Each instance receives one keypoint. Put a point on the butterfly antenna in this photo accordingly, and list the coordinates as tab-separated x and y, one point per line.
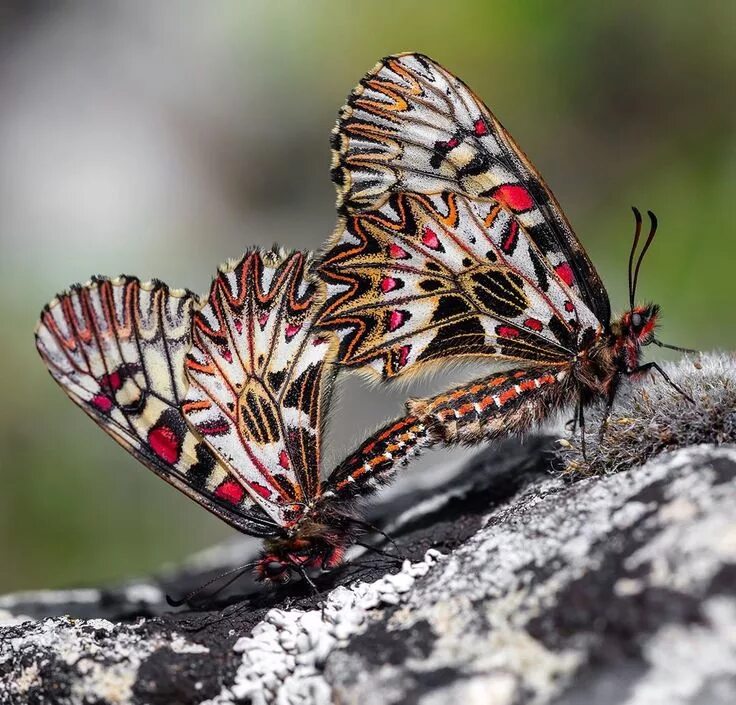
187	598
637	235
650	237
380	552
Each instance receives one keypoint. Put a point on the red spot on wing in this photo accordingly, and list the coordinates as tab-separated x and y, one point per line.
230	491
101	402
452	142
509	242
388	284
398	252
569	307
238	325
404	354
480	127
533	324
263	319
113	381
514	196
292	329
260	489
507	331
564	271
430	239
164	443
227	355
284	460
397	319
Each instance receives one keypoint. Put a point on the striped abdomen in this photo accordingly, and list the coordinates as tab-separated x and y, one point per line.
375	462
496	407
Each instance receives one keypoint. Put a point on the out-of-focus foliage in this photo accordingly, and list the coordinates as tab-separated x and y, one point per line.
141	138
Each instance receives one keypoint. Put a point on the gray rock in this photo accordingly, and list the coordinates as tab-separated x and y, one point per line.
611	590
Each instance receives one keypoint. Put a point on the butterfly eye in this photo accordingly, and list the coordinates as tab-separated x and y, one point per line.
636	320
274	569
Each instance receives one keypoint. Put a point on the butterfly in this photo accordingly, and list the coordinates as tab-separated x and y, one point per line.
450	245
225	398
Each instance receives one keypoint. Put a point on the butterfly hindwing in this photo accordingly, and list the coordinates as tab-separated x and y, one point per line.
117	347
259	377
411	127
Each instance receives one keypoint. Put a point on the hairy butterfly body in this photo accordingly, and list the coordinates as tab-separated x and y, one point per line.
449	244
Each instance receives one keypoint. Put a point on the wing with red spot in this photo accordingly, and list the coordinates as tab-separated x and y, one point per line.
259	375
117	349
428	277
412	133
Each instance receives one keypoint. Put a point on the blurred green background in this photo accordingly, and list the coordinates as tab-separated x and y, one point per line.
161	138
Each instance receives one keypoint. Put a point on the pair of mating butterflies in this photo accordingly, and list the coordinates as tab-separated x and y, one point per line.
448	244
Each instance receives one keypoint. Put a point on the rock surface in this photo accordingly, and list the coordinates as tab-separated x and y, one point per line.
518	587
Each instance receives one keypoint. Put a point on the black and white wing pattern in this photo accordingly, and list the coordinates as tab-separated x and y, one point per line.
260	378
449	242
117	347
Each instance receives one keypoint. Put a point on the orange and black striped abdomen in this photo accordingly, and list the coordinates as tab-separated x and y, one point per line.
495	407
374	463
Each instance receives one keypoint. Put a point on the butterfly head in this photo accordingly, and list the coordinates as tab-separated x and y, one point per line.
637	325
282	558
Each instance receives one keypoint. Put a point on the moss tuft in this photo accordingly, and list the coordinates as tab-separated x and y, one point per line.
650	417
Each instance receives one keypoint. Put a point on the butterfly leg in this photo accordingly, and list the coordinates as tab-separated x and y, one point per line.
313	587
580	418
305	577
378	530
655	366
609	406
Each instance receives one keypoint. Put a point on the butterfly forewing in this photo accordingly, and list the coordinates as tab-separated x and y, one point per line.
258	378
411	127
117	348
426	277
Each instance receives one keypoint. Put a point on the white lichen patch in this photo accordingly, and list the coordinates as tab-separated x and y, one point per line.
498	689
179	645
697	533
105	657
284	656
109	682
27	678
